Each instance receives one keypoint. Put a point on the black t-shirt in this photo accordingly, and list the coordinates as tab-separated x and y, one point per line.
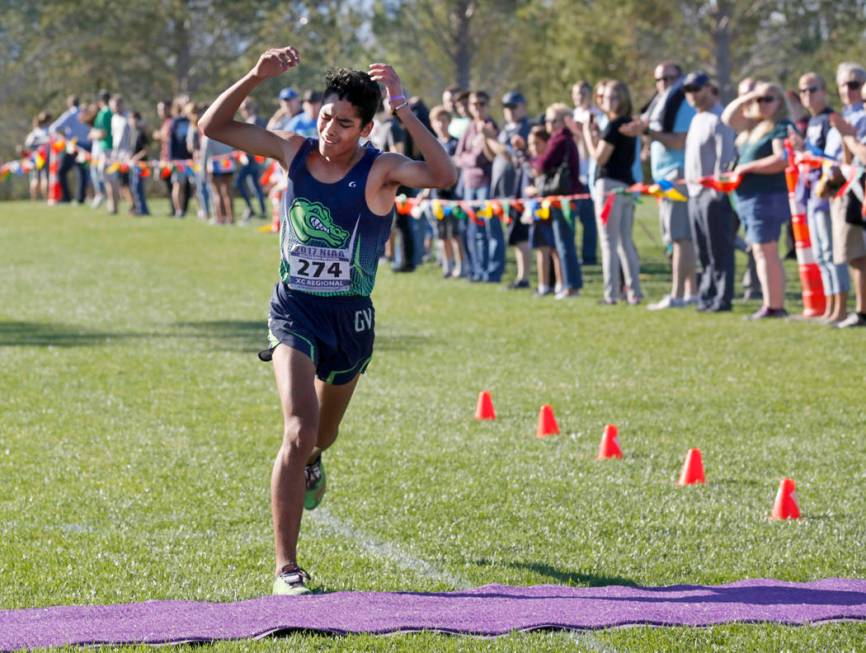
177	149
141	142
621	160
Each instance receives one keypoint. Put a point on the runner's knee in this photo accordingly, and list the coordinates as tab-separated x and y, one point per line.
299	438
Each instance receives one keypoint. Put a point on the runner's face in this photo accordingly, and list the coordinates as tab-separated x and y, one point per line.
339	126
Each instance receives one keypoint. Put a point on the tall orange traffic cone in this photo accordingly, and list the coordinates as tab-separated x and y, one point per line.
54	193
693	468
609	447
484	408
786	503
547	422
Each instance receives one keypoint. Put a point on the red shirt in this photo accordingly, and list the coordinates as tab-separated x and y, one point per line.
560	147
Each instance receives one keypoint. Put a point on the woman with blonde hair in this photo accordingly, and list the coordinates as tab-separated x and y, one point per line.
614	155
760	119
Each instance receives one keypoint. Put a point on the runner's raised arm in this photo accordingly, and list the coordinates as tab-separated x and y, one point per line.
436	170
218	121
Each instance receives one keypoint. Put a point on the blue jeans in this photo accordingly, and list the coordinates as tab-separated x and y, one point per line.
589	240
495	250
486	242
202	189
250	171
833	276
137	188
476	238
563	237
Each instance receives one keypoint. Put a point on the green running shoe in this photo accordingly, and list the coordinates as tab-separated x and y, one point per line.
291	581
316	484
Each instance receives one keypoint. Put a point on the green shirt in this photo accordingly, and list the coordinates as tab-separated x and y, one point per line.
103	122
759	149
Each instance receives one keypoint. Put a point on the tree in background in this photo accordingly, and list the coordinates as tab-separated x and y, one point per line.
151	50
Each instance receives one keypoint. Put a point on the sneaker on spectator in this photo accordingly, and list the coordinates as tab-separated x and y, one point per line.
97	201
518	284
692	300
853	320
567	294
765	313
667	302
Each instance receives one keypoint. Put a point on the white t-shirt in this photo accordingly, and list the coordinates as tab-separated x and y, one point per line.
121	136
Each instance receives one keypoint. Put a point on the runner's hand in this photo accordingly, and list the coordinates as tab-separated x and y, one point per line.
275	62
387	77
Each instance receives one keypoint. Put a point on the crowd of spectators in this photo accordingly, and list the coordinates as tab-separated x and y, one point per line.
592	150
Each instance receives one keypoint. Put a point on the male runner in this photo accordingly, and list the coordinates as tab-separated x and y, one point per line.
336	217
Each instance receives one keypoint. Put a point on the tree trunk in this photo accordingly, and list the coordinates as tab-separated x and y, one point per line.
183	55
462	16
721	33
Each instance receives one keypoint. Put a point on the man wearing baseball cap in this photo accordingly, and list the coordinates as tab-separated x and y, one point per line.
290	106
504	181
709	151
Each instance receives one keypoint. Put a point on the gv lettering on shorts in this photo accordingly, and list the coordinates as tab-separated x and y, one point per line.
363	320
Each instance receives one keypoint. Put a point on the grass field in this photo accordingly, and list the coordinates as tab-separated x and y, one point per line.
138	430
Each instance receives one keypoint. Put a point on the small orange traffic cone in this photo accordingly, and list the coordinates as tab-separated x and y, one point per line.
484	408
609	447
547	422
786	503
693	468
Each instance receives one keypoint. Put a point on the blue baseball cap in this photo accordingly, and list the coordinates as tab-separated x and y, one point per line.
288	93
513	98
695	81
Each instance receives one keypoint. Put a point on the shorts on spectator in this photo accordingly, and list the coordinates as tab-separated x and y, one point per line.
541	234
849	242
447	227
517	232
763	214
674	220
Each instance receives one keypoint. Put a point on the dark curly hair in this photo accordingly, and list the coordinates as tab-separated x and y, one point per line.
356	87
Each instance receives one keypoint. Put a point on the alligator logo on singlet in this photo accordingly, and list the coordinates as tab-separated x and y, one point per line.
312	220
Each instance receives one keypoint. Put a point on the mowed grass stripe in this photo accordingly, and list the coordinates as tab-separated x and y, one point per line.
138	432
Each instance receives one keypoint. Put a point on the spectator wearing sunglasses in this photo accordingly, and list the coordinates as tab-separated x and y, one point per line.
761	120
834	277
846	140
665	123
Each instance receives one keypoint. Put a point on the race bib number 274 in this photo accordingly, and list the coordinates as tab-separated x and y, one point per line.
314	268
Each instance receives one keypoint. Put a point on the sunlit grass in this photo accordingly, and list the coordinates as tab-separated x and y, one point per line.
138	430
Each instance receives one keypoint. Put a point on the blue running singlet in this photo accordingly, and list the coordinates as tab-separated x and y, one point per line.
330	240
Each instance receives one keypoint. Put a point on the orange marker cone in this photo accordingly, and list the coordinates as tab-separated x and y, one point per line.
786	503
484	408
547	422
609	447
693	468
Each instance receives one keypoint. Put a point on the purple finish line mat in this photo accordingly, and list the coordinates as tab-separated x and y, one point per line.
489	610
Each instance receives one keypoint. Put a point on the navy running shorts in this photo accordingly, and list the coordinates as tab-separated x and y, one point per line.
335	332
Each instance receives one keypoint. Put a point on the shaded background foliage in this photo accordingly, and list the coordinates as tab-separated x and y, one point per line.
148	51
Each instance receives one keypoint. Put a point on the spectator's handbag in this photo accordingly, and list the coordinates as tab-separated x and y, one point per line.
557	182
829	183
853	202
